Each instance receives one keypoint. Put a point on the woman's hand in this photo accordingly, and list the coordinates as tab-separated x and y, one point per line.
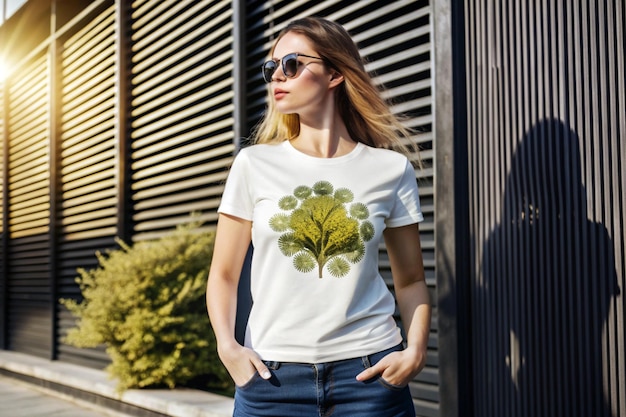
242	363
232	240
397	368
407	268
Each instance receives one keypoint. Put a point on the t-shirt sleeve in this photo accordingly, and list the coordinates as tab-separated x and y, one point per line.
406	208
236	199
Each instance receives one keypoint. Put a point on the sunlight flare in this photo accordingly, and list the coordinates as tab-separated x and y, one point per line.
4	70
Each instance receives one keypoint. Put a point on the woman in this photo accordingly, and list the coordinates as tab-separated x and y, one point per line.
315	195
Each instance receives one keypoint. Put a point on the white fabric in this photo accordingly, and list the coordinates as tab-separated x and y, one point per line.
298	316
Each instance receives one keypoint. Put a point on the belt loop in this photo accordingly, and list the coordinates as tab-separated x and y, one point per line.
273	365
366	361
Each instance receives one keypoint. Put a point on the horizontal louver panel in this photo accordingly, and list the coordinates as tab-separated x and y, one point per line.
28	283
88	150
28	158
87	215
2	181
182	111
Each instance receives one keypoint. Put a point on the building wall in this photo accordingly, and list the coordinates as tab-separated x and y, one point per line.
8	7
546	172
121	119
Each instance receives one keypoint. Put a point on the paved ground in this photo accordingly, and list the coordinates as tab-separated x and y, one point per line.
19	399
68	387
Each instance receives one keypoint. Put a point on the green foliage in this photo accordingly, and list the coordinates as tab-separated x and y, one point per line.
321	230
146	303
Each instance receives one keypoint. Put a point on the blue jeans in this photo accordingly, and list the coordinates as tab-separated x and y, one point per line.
323	389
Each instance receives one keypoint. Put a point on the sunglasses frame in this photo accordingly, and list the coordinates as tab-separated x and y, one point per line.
281	62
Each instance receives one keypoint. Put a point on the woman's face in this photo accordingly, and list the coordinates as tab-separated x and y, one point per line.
310	87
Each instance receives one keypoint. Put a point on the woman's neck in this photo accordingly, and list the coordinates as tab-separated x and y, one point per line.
329	140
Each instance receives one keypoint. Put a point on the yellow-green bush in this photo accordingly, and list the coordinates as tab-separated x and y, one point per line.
146	303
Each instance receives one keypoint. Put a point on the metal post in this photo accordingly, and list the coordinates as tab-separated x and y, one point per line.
452	227
4	307
239	71
122	87
54	187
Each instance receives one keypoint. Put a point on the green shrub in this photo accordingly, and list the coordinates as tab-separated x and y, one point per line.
146	303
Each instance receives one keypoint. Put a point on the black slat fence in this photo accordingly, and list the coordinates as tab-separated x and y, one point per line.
547	168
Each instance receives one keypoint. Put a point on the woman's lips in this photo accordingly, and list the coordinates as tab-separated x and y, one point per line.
278	93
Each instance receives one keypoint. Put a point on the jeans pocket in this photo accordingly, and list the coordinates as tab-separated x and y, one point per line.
255	377
389	385
371	360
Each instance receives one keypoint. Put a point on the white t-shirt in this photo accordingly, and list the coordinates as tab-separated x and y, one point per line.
317	226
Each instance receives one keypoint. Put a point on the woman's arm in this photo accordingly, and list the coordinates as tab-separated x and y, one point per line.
231	245
407	267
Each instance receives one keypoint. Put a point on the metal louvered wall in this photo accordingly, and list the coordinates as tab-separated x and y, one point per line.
28	272
547	162
88	158
182	111
125	119
3	238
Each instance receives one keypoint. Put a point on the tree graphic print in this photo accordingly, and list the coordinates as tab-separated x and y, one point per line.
322	227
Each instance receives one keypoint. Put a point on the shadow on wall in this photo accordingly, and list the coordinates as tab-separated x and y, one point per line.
548	281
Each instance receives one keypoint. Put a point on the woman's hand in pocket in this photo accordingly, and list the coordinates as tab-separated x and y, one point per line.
396	368
242	363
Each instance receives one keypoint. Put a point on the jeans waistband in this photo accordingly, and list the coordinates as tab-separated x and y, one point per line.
365	359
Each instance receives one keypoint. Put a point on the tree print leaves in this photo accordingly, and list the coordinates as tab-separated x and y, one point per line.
279	223
344	195
304	262
289	245
356	255
320	230
359	211
338	267
323	188
288	203
302	192
367	230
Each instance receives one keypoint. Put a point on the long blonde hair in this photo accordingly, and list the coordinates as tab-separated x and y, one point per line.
360	104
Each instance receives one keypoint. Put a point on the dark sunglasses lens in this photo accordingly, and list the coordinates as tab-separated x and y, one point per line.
290	65
269	68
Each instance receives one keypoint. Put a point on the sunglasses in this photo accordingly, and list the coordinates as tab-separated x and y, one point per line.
290	66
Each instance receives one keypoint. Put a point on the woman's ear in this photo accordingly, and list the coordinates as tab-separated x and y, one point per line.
336	78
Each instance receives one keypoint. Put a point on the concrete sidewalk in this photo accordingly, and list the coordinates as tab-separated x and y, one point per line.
94	387
20	399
